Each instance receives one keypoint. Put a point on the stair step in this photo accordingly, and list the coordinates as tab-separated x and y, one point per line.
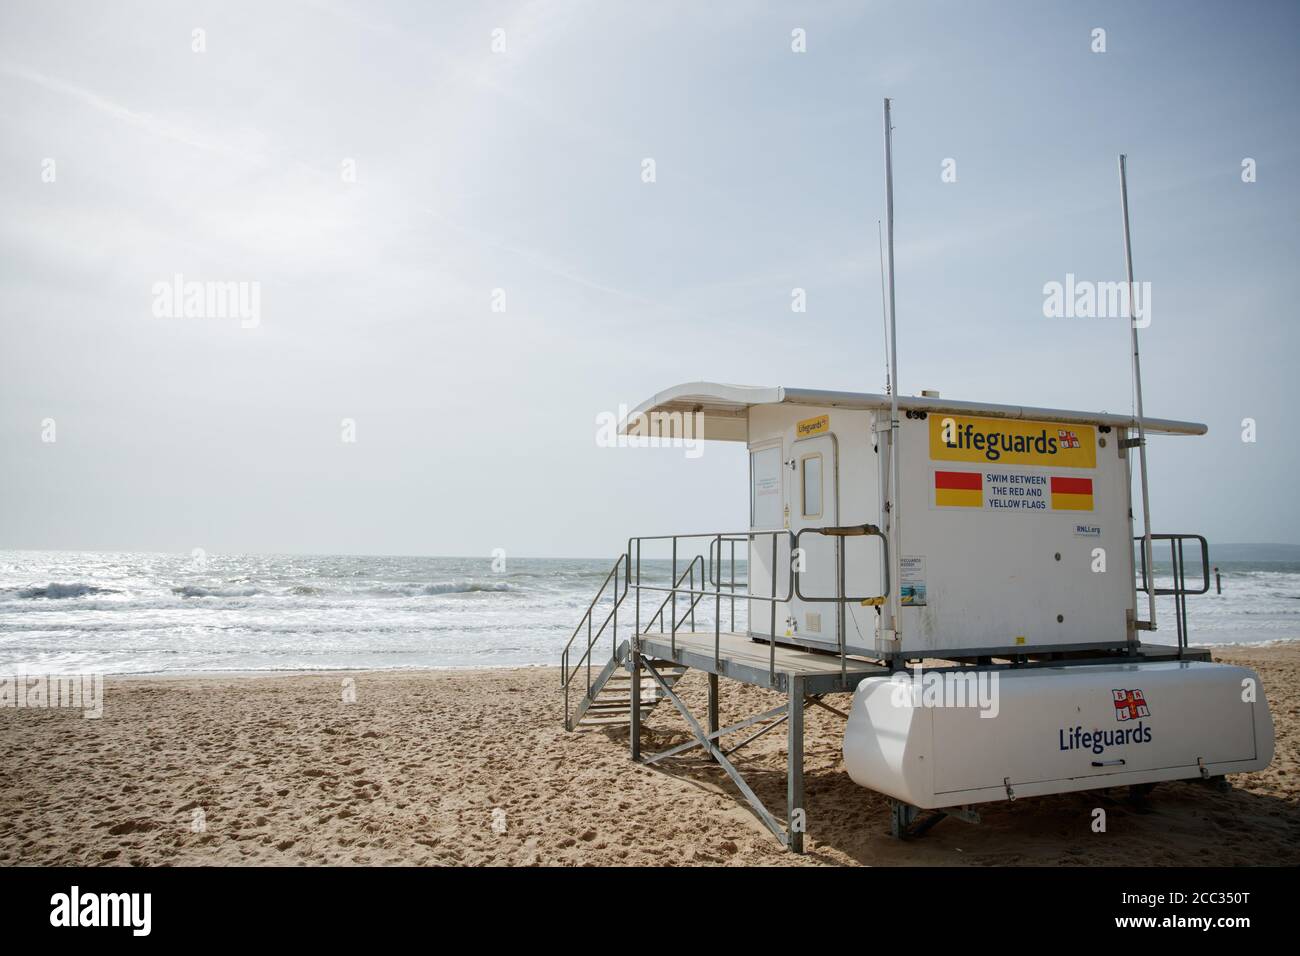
609	719
617	705
668	675
649	685
611	703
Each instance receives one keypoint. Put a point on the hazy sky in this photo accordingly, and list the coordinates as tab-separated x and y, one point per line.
521	170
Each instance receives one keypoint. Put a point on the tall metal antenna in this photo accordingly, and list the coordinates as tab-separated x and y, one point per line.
895	622
884	311
1137	389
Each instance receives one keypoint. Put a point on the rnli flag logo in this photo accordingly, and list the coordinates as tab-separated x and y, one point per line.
1130	704
1067	439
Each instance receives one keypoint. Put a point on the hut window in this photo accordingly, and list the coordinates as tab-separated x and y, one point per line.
765	488
811	467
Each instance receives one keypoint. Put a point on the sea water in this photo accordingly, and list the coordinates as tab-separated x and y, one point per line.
150	613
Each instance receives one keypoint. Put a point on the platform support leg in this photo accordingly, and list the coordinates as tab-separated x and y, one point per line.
634	730
713	704
901	817
796	818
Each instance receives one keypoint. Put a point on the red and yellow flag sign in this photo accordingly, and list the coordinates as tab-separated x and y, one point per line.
959	489
1071	494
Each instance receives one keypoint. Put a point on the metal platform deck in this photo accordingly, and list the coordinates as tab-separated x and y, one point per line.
751	662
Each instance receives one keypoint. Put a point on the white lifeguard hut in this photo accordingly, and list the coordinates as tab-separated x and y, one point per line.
994	543
1016	534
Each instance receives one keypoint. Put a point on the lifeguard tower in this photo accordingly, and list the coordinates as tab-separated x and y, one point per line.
993	542
1017	559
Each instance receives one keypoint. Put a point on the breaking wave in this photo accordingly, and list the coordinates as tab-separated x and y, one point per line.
464	587
305	590
196	591
55	590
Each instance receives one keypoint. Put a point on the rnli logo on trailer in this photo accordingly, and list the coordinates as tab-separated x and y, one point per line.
1066	438
1130	704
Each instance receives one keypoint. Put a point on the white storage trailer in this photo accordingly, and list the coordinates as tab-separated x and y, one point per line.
1059	729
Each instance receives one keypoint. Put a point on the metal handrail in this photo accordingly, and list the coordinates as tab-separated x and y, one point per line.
1175	555
567	675
714	578
715	571
1180	590
659	614
710	573
634	542
731	583
715	538
840	533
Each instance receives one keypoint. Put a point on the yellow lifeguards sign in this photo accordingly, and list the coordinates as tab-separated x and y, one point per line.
813	426
1011	442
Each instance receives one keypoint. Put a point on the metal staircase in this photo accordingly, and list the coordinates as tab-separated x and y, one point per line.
609	702
607	696
643	668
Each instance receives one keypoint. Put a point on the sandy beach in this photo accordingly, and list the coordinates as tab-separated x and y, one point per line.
474	767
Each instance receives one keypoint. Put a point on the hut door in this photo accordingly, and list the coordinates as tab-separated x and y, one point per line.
768	481
814	503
